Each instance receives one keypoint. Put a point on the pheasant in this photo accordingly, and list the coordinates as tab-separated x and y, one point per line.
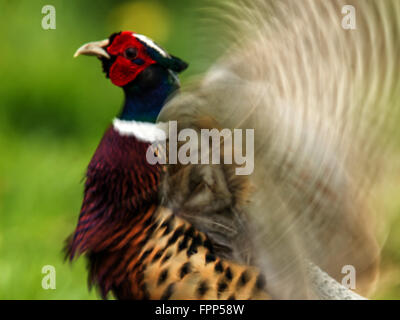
193	231
137	248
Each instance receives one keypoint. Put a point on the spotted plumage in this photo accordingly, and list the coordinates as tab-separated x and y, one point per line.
188	274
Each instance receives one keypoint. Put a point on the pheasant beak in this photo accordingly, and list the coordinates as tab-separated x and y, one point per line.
95	48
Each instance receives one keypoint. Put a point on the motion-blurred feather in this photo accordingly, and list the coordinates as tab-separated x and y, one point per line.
322	101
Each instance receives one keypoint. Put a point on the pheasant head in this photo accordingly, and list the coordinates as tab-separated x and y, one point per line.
145	71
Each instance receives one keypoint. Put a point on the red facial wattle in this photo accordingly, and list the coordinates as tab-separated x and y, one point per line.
125	70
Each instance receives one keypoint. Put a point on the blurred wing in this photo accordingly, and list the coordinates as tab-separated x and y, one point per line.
323	102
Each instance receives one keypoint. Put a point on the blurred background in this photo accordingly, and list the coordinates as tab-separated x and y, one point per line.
53	112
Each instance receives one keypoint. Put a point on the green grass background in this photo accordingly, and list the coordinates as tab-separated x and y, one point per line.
53	111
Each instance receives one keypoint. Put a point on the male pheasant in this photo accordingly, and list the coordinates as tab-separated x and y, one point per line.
186	231
136	247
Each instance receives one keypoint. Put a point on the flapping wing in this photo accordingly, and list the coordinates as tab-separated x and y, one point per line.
323	101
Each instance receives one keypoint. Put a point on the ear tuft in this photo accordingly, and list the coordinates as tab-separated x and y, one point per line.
158	54
177	65
170	62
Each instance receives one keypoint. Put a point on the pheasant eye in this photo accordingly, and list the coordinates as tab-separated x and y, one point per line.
130	53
